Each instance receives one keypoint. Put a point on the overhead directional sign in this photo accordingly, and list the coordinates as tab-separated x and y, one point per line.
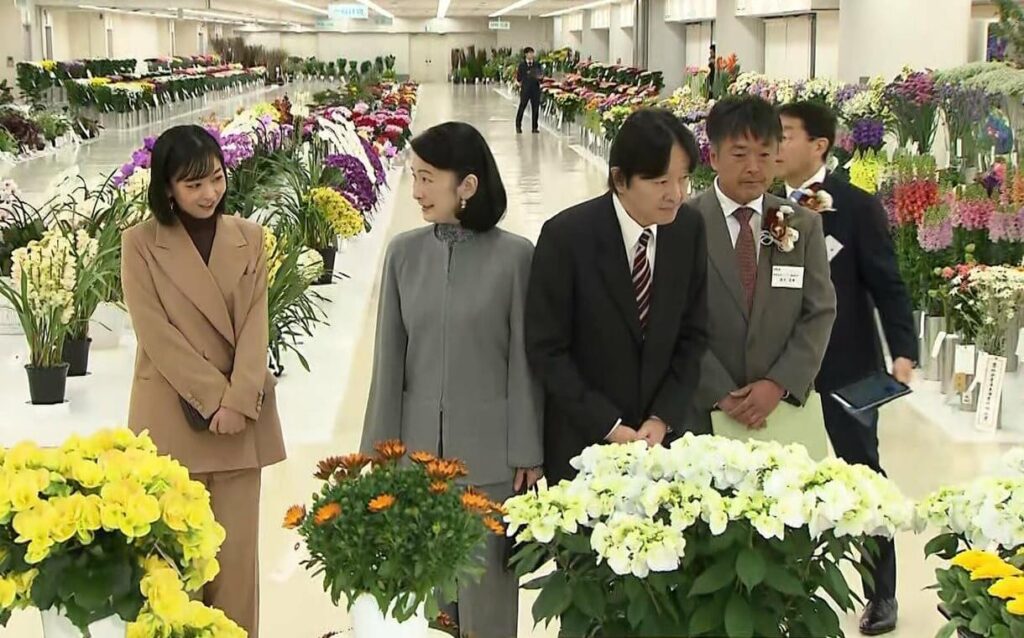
348	11
499	25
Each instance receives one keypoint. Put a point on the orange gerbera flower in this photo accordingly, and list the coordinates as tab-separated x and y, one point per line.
294	516
494	526
390	450
438	487
381	503
422	457
498	508
354	463
327	513
446	469
476	502
325	469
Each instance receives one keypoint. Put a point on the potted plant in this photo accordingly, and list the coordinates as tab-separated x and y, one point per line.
42	296
980	529
366	533
106	538
712	537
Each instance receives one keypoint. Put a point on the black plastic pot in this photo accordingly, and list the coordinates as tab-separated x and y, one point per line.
46	386
329	255
76	354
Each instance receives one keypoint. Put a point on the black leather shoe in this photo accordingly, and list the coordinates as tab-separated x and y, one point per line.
519	131
879	617
536	130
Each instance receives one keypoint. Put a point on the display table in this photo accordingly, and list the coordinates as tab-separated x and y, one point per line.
958	425
100	399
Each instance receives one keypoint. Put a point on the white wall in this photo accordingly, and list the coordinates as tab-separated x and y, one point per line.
62	24
12	42
981	17
620	41
666	46
826	63
596	42
915	33
698	44
536	32
564	37
743	36
787	47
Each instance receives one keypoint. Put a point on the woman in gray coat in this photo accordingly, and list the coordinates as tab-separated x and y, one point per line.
449	373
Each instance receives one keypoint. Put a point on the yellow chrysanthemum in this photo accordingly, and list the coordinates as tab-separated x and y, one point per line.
993	571
1016	606
338	211
1007	588
972	559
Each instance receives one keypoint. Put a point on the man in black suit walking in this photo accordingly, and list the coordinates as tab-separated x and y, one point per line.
616	313
866	276
528	76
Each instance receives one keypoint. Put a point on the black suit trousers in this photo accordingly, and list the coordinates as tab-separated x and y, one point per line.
857	443
533	99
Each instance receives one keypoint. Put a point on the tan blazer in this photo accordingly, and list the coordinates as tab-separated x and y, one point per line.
202	335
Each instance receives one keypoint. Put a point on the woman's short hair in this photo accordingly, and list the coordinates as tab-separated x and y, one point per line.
460	148
181	154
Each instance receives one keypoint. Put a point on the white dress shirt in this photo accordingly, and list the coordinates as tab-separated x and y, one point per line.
817	178
631	232
729	207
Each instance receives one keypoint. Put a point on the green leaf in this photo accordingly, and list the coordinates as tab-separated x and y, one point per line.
835	584
639	607
944	546
739	621
947	630
782	581
576	543
718	576
751	567
589	597
706	619
554	598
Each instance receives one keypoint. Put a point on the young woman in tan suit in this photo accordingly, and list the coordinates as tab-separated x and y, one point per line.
195	283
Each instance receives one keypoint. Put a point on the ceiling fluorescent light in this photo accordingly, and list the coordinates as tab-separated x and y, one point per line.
384	12
307	7
442	8
218	16
512	7
582	7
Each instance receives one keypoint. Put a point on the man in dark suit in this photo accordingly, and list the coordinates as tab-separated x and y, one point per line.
616	311
865	276
528	76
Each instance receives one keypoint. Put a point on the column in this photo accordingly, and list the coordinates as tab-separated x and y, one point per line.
742	36
666	46
880	37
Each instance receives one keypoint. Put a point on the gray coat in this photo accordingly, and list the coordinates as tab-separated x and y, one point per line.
450	346
785	336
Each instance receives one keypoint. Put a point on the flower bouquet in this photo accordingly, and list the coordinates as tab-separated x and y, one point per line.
104	528
981	533
393	537
711	537
913	100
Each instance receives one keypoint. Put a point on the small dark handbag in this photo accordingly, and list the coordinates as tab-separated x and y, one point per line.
196	421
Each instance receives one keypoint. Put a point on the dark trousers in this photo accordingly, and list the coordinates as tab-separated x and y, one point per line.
857	443
533	98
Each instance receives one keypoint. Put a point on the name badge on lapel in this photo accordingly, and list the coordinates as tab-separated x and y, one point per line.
788	277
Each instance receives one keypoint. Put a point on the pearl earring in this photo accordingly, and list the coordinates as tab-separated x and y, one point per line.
462	205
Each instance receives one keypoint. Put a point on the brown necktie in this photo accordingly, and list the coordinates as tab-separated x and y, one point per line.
746	254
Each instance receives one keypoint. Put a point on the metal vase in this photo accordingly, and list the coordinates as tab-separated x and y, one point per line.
932	327
948	362
1012	341
969	398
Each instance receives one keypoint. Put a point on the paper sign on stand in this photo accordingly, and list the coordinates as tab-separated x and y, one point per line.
992	375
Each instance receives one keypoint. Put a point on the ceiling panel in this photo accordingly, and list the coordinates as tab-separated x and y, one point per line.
467	8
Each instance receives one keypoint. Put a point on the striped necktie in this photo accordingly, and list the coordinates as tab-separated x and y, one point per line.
642	279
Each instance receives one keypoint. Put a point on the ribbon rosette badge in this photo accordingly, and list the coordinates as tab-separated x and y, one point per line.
817	199
777	231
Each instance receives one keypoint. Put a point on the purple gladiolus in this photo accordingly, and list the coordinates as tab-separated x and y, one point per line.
935	237
868	133
358	187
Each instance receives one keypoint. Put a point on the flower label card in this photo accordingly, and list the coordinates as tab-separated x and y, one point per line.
788	277
992	375
965	360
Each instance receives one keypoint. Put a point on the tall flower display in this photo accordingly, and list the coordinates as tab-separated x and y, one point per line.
721	537
913	100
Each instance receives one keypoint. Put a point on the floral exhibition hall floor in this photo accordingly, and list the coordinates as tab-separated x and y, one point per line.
543	175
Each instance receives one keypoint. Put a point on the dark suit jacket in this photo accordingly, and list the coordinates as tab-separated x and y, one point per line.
529	77
583	335
865	275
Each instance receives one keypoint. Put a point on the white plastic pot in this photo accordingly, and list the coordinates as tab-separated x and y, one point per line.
55	625
369	622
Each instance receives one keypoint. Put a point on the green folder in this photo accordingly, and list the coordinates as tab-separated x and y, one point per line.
787	424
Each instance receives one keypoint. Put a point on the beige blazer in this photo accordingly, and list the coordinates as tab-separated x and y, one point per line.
785	336
202	334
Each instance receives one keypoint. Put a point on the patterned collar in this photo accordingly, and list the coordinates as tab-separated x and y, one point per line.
453	233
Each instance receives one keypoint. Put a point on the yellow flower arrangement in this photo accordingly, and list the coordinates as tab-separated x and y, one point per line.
48	65
114	488
343	217
266	108
98	81
1008	580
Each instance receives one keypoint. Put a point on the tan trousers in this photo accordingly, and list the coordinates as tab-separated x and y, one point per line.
235	497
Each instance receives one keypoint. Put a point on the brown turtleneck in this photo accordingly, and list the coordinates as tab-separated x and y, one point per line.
202	232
